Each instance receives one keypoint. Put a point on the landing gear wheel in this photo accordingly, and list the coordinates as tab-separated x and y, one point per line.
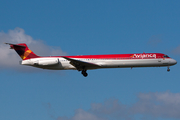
168	69
84	73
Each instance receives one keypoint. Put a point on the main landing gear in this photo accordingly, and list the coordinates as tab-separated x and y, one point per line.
84	73
168	69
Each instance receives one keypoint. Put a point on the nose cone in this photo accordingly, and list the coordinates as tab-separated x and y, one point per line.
173	62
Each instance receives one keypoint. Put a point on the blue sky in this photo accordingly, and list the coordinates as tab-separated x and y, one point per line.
89	27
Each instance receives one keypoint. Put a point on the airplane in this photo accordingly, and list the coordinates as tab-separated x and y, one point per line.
88	62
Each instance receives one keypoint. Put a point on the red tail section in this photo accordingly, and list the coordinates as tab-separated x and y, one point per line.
23	51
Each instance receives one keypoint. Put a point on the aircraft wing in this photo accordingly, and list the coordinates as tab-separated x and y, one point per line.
81	65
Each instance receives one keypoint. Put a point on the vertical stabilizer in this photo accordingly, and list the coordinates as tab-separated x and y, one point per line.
23	51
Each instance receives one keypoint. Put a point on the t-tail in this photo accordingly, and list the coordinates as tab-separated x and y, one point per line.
23	51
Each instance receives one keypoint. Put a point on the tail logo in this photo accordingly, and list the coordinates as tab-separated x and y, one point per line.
26	53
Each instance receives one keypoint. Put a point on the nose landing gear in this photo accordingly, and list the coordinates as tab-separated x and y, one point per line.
168	69
84	73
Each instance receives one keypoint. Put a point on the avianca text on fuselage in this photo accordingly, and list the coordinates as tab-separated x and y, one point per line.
88	62
144	56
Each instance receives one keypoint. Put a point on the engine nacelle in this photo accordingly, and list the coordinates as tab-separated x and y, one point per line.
47	62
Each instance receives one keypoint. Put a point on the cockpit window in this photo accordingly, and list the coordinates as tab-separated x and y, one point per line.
166	56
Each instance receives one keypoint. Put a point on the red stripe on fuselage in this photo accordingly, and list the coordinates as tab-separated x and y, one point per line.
117	56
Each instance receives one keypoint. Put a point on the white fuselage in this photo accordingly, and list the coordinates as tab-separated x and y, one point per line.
86	62
59	63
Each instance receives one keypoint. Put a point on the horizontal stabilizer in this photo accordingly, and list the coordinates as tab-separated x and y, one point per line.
15	45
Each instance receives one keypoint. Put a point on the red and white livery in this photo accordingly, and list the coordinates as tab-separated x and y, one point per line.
88	62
